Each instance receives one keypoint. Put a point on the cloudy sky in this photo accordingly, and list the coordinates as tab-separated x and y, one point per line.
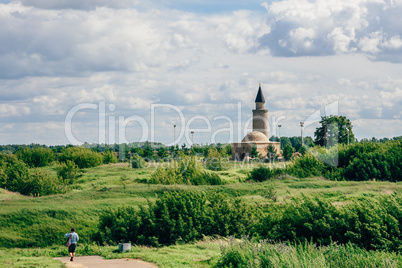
76	71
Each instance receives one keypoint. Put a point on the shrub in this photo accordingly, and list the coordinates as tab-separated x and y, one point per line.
263	173
15	176
13	173
306	166
206	178
287	152
215	160
36	157
41	182
68	171
370	224
177	217
109	157
185	170
82	157
137	161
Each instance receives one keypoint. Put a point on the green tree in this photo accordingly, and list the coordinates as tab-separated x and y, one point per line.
162	152
287	152
67	171
36	157
271	153
334	129
82	157
148	153
285	141
254	152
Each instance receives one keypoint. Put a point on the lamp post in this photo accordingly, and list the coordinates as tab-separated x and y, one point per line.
301	126
279	128
192	138
174	136
348	134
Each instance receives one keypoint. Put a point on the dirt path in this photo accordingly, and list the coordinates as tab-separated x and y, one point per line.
99	262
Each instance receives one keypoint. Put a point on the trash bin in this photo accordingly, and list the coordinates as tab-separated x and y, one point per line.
123	247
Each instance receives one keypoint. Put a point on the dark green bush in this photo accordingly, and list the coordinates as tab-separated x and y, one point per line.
36	157
82	157
41	182
137	161
15	176
177	217
369	224
67	171
306	166
263	173
13	173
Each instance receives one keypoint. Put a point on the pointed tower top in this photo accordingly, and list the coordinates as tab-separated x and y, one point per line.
260	95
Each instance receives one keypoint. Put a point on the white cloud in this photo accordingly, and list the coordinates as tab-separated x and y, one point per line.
320	27
53	58
8	110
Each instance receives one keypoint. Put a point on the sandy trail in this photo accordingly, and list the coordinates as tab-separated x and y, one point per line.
99	262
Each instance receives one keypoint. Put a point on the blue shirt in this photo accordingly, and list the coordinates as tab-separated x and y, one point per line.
74	237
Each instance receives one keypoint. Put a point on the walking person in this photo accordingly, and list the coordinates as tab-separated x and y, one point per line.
74	238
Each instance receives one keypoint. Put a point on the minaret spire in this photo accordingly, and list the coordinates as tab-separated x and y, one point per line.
260	95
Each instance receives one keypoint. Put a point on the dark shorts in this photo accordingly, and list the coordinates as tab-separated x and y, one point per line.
71	248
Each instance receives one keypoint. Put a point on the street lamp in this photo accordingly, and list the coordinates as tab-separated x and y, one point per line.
174	138
301	126
279	128
348	134
192	138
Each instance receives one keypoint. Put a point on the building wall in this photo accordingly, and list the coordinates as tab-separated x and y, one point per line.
243	149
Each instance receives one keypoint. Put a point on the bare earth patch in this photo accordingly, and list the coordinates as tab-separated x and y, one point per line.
99	262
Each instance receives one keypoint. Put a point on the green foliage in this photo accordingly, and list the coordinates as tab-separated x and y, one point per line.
227	150
215	160
263	173
67	171
36	157
177	217
253	151
13	173
41	182
137	161
305	166
15	176
367	224
163	152
333	130
287	152
368	161
248	253
271	153
148	153
185	170
82	157
109	157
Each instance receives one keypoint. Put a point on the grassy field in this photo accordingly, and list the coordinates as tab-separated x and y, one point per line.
25	221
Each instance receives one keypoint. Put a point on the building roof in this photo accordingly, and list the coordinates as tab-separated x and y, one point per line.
260	95
255	136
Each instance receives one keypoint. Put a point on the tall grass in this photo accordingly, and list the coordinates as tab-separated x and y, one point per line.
249	254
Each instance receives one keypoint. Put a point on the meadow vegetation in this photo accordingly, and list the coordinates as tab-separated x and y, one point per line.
179	209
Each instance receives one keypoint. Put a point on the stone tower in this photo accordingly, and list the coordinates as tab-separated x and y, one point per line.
260	114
